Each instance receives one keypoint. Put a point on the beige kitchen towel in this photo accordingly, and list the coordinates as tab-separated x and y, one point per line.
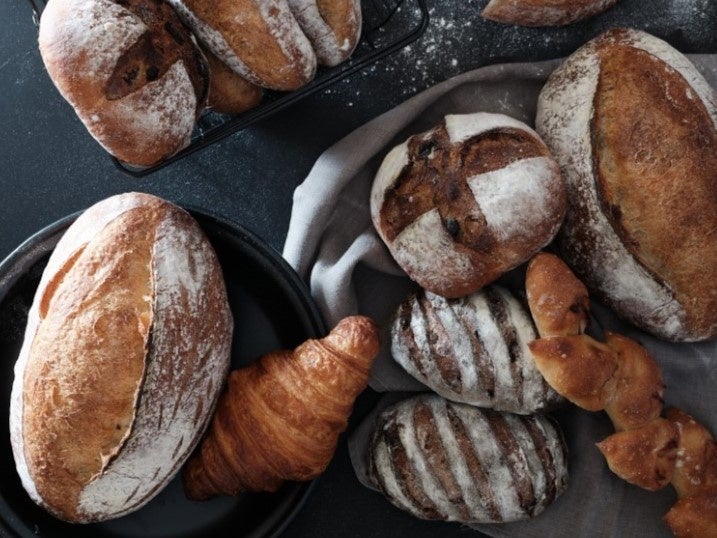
332	245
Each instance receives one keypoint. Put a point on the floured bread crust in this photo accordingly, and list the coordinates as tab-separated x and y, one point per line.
332	26
461	204
634	128
126	348
259	39
544	12
454	462
472	350
131	71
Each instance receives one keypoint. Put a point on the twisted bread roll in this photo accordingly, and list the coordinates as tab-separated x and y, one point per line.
280	418
648	450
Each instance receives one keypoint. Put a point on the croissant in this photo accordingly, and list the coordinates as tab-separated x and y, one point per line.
280	418
620	377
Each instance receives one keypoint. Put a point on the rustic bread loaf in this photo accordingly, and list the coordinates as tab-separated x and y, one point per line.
472	350
544	12
259	39
229	92
465	202
126	349
332	26
130	69
634	127
442	460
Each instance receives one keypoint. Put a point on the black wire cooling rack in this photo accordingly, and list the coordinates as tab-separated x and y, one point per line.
388	26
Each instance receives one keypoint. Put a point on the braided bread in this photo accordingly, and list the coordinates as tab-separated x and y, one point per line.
620	377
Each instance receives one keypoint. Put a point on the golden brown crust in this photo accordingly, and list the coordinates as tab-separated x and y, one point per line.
229	92
696	455
644	456
260	40
544	12
578	367
694	516
280	418
126	348
639	387
94	334
130	69
558	301
657	173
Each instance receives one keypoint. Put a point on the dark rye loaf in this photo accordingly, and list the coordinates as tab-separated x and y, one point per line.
472	350
447	461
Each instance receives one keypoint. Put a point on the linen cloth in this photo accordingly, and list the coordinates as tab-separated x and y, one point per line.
332	245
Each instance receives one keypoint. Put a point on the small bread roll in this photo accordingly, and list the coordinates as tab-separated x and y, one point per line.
332	26
131	70
454	462
544	12
465	202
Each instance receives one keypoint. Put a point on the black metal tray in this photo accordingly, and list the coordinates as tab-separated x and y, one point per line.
388	26
272	309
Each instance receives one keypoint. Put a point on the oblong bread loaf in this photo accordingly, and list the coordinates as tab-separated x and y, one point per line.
544	12
126	348
633	125
332	26
259	39
472	350
447	461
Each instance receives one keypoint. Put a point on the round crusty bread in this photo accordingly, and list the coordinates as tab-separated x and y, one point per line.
130	69
125	352
332	26
634	127
447	461
465	202
544	12
472	350
259	39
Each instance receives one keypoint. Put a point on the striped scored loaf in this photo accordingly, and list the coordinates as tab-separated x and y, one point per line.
447	461
472	350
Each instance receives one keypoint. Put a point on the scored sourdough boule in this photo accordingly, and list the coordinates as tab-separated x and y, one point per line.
130	69
544	12
465	202
472	350
259	39
448	461
229	92
633	125
332	26
125	351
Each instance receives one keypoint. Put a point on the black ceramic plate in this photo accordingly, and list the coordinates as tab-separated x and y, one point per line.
272	309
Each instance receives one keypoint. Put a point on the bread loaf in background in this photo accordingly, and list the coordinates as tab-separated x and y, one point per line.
131	70
229	92
259	39
332	26
633	125
454	462
472	350
463	203
125	352
544	12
